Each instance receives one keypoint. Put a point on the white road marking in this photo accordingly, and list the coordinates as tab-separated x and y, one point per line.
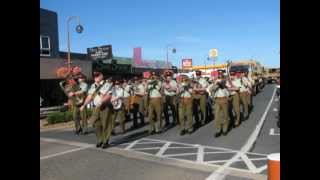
62	153
193	145
276	100
151	148
220	161
71	143
275	109
132	144
259	170
200	154
180	154
221	172
182	147
250	165
221	152
272	133
163	149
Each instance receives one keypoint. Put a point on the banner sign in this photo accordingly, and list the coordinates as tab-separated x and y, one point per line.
100	53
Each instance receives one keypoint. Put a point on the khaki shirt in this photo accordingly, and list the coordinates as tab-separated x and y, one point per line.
203	82
183	94
140	89
221	93
105	89
118	92
245	84
127	91
236	83
210	88
173	85
83	86
251	80
155	92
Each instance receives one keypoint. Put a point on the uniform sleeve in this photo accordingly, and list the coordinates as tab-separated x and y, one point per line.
174	85
84	87
158	86
106	89
121	93
91	90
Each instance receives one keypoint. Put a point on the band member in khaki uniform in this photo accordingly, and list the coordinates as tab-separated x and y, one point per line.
233	85
249	83
145	97
138	104
100	93
185	106
82	93
127	97
170	90
220	96
118	107
70	87
199	90
244	96
155	104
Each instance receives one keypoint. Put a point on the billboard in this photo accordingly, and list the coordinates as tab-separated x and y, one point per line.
100	53
186	63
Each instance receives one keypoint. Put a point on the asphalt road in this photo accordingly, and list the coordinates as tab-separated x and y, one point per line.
66	161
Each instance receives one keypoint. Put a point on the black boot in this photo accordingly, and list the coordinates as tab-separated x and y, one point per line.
99	144
225	133
105	145
182	132
218	134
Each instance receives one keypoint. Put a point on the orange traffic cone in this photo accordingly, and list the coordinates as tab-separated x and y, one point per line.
274	166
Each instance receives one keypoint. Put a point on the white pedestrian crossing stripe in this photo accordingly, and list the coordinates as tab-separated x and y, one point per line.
197	153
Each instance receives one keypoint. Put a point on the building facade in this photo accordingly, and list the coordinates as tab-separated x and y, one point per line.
51	59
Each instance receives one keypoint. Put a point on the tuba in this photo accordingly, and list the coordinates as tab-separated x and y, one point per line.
76	100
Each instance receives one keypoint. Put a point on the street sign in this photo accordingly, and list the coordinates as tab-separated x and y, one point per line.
186	63
213	53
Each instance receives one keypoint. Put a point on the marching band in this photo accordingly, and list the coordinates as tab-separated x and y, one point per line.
153	97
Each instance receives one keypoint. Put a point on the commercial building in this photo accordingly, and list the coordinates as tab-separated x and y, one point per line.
51	59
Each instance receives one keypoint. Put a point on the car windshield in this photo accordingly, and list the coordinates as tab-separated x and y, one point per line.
240	68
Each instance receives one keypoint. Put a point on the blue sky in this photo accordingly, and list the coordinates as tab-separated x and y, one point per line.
239	29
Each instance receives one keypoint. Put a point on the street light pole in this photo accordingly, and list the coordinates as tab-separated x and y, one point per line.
79	29
173	51
167	57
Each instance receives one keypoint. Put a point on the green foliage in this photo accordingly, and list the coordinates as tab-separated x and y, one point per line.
58	117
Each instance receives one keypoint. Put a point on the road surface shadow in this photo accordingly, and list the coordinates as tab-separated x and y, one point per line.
130	138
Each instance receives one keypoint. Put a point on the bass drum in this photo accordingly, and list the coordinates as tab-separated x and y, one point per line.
116	104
